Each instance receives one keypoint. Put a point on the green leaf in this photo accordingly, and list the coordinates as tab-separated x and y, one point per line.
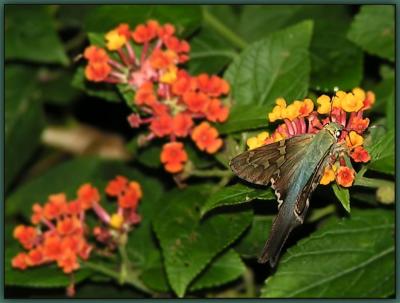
335	61
343	196
225	268
24	119
189	244
345	258
235	194
46	276
244	117
101	90
252	242
30	34
209	53
277	66
373	30
103	18
382	153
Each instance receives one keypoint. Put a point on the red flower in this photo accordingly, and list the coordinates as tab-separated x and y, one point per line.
196	102
214	86
19	261
68	262
360	155
26	235
143	33
97	72
88	195
206	138
184	83
35	257
345	176
161	125
96	54
145	94
116	186
216	111
173	156
162	59
56	206
182	124
52	249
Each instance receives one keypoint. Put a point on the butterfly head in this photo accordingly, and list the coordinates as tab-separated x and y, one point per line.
335	129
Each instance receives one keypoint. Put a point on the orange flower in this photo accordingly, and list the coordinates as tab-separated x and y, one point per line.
96	54
143	33
123	30
206	138
184	83
360	155
97	72
306	107
162	125
130	198
345	176
163	59
68	226
173	156
145	94
369	100
35	257
75	207
26	235
196	102
214	86
358	124
37	215
19	261
68	262
56	206
165	31
117	186
182	124
88	195
216	111
52	248
353	139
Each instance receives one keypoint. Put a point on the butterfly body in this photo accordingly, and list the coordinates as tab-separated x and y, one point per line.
294	168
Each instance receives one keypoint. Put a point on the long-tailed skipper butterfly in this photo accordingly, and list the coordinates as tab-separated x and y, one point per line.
294	167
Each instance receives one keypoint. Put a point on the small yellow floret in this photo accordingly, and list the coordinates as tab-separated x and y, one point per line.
169	76
324	104
353	139
116	221
114	40
257	141
329	176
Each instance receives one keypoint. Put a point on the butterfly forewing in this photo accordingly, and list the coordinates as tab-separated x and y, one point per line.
271	161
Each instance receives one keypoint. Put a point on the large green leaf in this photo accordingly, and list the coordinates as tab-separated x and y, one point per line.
23	118
353	257
30	34
373	30
225	268
188	243
46	276
335	61
105	17
253	240
236	194
277	66
382	153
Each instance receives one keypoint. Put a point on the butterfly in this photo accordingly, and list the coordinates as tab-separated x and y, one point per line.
294	167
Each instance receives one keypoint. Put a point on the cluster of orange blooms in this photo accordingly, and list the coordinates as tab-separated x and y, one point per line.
300	117
169	100
59	232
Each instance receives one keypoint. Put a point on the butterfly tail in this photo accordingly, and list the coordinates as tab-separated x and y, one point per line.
281	228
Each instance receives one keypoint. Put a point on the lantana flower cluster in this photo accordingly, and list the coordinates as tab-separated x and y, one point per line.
171	102
59	232
303	117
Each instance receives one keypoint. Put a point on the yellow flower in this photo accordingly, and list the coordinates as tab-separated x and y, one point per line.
257	141
359	94
324	104
328	176
351	103
279	136
337	100
353	139
292	111
169	76
114	40
306	107
277	111
116	221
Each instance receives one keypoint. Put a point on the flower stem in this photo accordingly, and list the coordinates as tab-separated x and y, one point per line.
223	30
